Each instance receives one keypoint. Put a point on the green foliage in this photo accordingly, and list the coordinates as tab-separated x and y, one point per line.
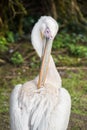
28	23
17	58
58	42
3	44
71	43
63	40
10	36
79	37
5	39
78	50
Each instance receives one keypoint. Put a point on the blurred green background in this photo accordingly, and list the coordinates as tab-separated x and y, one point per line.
19	62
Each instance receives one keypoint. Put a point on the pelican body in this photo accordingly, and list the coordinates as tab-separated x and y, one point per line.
41	104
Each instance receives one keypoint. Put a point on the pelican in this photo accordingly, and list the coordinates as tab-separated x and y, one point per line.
41	104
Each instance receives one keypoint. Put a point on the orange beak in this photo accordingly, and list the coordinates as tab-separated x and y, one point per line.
45	62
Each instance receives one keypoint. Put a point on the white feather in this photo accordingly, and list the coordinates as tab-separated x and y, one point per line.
36	34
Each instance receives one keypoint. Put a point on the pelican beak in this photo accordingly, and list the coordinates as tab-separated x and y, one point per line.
45	62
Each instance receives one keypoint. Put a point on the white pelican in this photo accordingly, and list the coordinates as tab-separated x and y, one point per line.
41	104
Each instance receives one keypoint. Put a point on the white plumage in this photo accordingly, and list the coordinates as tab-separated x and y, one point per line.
47	107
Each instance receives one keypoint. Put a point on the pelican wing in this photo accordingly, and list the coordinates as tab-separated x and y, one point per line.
39	109
60	115
30	108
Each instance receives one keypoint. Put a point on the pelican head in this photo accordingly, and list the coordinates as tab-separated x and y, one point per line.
48	27
42	37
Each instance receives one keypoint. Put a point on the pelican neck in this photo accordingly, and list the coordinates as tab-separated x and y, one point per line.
53	76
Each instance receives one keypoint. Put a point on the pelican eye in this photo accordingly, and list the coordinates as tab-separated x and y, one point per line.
47	30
